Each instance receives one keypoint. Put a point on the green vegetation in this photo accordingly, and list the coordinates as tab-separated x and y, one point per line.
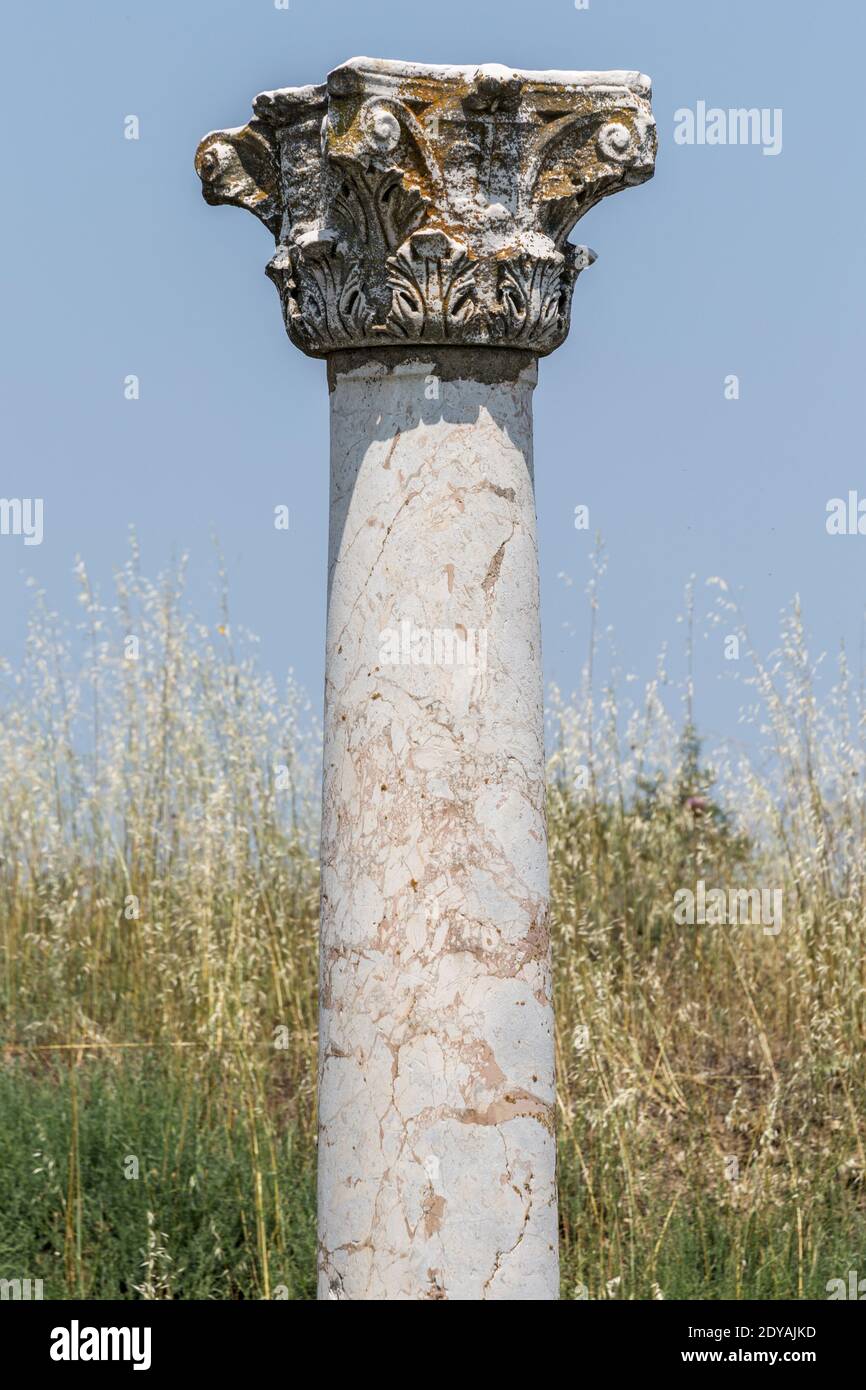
158	898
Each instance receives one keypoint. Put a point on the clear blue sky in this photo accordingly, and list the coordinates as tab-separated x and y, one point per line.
727	262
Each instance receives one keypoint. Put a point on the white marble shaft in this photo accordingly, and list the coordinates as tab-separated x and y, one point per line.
436	1138
421	217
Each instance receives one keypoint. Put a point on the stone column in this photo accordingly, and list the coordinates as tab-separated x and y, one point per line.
421	216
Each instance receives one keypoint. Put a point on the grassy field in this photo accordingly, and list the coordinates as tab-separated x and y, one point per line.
158	897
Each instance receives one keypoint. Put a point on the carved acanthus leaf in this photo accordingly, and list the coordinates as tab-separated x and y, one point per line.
435	298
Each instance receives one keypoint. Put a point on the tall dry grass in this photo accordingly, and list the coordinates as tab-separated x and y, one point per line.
158	896
712	1078
158	899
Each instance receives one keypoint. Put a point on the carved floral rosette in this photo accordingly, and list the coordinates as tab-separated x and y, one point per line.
414	204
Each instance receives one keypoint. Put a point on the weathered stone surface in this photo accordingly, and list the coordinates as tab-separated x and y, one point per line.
431	205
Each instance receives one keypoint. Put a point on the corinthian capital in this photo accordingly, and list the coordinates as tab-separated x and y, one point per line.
416	204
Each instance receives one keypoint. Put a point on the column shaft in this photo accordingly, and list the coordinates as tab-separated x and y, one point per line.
436	1122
